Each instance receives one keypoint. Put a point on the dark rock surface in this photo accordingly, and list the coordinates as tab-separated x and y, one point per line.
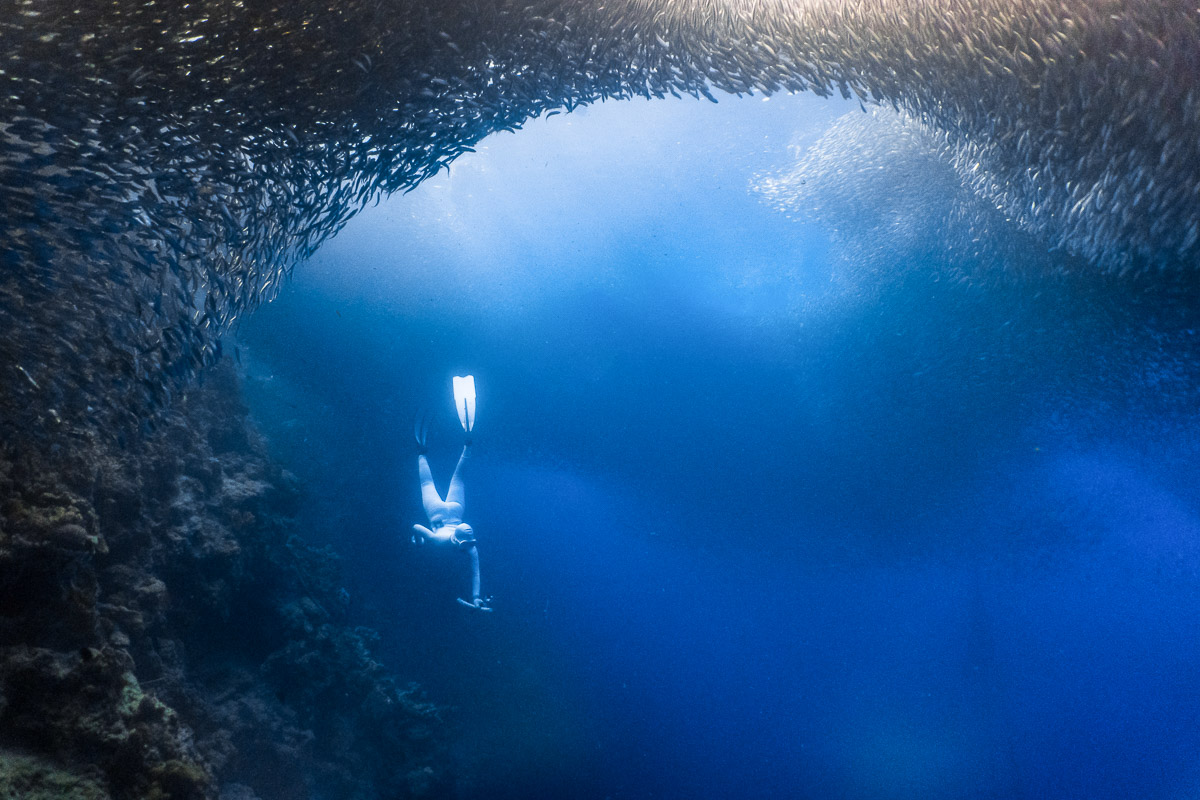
165	632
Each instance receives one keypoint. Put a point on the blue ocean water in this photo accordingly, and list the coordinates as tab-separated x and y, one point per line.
755	523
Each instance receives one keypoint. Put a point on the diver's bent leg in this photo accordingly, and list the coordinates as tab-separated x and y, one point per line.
456	493
429	493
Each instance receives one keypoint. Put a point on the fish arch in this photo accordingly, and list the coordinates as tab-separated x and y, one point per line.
165	164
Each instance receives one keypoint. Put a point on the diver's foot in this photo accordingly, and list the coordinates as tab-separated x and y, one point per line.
421	431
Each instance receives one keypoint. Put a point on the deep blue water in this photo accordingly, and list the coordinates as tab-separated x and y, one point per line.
750	530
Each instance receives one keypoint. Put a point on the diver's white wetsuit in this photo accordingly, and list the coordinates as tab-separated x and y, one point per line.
446	525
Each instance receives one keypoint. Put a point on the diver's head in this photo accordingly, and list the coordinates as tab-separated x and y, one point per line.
463	534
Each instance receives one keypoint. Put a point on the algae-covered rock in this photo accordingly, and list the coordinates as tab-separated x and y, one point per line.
88	707
73	536
25	777
177	780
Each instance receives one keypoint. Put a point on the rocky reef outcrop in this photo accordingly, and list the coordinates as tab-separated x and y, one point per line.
165	632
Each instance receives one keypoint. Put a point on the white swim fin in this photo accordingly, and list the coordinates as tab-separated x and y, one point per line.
464	400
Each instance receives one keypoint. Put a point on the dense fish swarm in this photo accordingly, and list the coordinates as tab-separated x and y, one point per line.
886	187
164	164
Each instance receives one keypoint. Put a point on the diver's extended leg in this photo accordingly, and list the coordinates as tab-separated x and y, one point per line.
455	494
429	493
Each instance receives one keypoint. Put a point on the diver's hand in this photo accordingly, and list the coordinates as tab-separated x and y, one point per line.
479	603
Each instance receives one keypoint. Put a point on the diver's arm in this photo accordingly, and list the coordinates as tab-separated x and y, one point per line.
440	534
477	602
474	573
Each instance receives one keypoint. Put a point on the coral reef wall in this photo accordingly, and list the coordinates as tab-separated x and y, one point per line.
164	632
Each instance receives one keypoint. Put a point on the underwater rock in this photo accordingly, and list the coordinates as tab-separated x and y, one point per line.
88	708
206	644
28	778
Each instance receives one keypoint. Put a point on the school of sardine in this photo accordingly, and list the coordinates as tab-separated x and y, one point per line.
163	163
896	196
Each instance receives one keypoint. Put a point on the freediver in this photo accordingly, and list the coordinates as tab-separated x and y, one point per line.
446	524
